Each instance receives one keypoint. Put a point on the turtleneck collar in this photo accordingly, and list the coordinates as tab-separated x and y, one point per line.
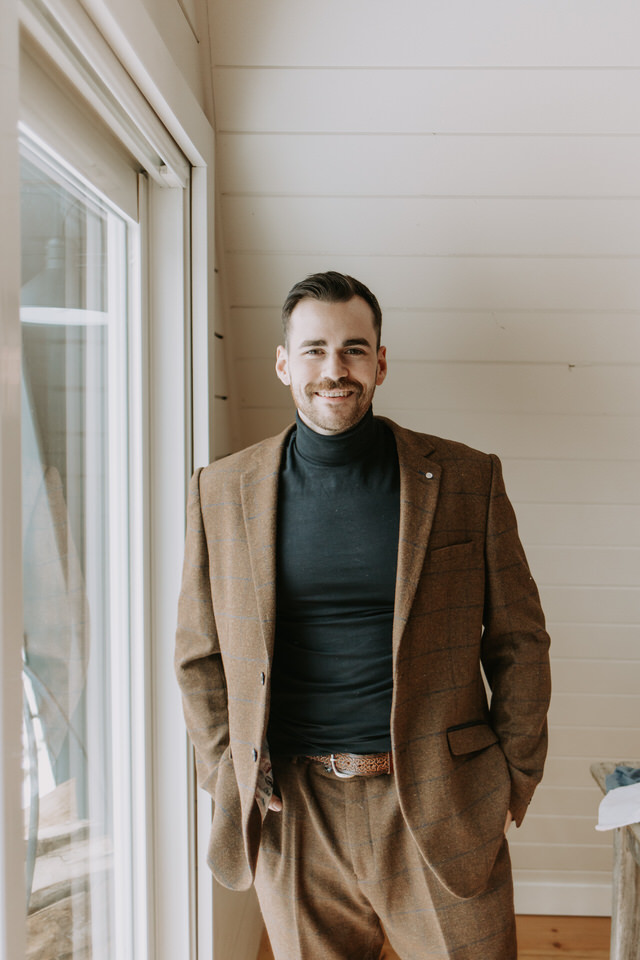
336	448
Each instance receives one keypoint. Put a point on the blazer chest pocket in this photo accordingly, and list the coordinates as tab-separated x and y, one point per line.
470	737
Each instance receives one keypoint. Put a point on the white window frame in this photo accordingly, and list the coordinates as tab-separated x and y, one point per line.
12	852
117	43
126	579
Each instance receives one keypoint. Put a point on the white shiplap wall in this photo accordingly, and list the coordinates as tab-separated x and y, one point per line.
478	165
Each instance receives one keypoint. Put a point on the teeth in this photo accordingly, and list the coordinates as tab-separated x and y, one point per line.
344	394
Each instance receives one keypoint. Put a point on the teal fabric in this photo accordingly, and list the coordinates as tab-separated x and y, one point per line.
622	776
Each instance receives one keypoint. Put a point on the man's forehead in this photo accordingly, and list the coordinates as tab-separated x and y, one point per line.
323	321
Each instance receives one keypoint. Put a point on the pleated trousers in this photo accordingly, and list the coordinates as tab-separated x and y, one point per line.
338	867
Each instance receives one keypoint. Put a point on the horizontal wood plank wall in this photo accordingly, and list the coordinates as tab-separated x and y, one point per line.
478	165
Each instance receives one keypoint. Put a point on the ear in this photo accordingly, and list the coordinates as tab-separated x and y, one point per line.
282	365
382	365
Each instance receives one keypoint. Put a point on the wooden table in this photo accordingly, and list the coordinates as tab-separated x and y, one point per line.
625	917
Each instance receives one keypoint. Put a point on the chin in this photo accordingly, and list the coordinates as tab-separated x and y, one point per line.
338	423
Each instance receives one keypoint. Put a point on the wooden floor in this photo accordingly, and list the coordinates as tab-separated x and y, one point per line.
574	938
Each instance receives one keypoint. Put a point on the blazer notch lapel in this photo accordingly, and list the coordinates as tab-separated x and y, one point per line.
419	488
259	494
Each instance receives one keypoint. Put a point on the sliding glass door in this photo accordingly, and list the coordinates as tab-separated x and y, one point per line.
80	265
109	263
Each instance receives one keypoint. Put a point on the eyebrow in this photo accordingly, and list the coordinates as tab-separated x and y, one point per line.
353	342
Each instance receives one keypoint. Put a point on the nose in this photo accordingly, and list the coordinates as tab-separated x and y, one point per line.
334	366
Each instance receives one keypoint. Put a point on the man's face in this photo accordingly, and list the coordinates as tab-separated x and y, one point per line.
331	363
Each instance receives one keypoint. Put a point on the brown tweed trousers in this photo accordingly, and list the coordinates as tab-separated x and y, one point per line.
337	865
464	598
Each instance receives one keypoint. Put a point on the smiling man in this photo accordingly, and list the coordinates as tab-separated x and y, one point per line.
332	361
346	583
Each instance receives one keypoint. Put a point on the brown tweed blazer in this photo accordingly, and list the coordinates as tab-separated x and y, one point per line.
464	598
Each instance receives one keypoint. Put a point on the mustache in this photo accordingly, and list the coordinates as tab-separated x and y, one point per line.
342	384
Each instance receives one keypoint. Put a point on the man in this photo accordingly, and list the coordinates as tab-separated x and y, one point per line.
345	584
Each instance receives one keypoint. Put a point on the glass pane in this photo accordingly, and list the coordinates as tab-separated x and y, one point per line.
77	793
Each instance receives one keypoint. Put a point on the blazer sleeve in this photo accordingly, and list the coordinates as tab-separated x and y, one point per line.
198	662
515	650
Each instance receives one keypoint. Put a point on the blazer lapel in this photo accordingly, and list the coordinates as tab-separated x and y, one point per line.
419	486
259	492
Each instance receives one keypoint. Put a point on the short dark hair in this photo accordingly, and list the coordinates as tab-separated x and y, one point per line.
330	287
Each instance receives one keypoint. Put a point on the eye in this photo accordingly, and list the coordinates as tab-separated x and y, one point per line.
355	351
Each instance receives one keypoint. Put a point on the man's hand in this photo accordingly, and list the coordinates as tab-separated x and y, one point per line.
508	822
275	804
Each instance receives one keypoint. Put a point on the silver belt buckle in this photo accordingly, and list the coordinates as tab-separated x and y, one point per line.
342	776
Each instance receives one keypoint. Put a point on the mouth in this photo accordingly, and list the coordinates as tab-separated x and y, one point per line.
333	394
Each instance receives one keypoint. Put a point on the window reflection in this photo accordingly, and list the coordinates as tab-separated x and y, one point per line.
74	326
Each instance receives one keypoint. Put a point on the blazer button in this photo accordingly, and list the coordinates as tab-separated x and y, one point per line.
263	679
255	755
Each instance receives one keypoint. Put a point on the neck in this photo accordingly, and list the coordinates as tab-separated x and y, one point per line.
336	448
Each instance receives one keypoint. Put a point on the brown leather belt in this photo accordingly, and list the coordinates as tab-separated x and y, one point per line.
347	765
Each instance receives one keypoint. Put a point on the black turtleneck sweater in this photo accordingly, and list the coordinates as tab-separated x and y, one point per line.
337	548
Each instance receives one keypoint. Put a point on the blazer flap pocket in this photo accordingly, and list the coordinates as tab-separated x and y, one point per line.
470	737
452	556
